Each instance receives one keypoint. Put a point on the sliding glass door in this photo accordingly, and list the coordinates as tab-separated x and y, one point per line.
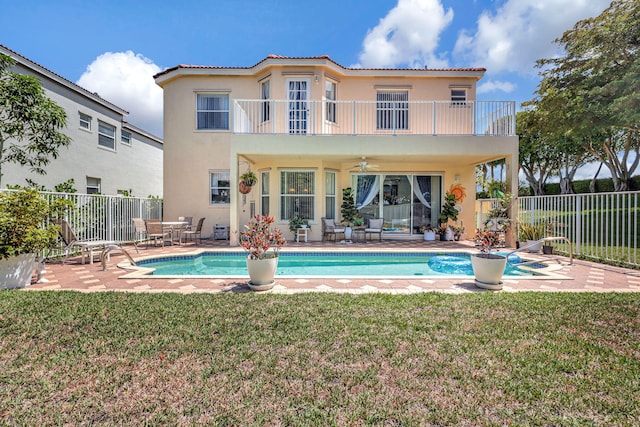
405	202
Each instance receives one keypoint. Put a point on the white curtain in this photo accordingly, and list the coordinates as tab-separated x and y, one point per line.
422	191
367	189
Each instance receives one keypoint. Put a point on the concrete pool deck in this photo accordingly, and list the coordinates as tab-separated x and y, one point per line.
584	276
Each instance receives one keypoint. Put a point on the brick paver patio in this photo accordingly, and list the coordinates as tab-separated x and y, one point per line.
584	276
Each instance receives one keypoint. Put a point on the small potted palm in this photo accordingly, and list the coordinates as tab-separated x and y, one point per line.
263	242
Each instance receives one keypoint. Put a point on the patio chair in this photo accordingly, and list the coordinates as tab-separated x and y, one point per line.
71	241
188	220
141	231
375	227
195	233
156	231
330	228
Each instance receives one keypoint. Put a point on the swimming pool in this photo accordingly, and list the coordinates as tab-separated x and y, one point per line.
329	265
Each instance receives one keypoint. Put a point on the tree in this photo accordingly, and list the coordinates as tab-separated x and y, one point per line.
538	160
29	121
596	86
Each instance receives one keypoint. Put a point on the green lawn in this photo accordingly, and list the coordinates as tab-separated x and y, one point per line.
319	359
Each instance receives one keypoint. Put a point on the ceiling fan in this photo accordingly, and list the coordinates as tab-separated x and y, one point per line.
364	166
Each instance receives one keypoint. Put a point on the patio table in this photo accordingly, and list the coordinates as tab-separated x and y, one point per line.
176	226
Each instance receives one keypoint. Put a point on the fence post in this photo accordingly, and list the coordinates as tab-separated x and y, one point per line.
578	226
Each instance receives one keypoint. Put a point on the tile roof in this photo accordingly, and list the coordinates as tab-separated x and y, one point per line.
303	58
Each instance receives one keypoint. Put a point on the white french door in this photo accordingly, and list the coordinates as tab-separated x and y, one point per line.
297	104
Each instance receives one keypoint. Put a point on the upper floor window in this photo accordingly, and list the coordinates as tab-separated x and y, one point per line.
220	188
297	194
392	110
265	95
85	121
330	94
106	135
125	137
458	97
212	111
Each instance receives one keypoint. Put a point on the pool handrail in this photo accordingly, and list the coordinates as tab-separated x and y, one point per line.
545	239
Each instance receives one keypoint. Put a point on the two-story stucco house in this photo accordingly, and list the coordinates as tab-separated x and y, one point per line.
106	155
309	127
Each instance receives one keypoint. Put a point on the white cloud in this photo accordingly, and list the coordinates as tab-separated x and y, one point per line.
407	36
522	31
126	80
495	85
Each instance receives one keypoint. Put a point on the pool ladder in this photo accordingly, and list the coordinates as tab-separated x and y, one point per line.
105	253
537	242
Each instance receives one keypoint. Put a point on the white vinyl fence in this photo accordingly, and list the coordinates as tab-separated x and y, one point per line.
601	226
100	217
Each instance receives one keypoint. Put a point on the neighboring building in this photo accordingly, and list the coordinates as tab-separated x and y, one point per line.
309	127
106	155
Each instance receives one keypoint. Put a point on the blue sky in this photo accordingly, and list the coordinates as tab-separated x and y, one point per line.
113	47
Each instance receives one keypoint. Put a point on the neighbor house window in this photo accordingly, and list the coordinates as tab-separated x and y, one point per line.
220	188
264	193
125	137
264	94
106	135
212	111
85	121
330	198
330	94
458	97
297	194
93	185
392	110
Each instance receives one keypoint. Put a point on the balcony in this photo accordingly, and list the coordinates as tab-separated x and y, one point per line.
296	117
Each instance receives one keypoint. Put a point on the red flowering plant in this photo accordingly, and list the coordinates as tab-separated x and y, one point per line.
259	237
487	240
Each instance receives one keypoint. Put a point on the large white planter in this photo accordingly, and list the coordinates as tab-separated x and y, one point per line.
488	270
16	271
534	248
261	273
429	235
347	233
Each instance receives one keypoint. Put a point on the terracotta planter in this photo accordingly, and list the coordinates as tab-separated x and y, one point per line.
488	270
244	188
15	272
261	273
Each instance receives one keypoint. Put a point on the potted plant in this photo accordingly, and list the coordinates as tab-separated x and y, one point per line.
348	211
488	267
429	233
530	234
24	232
247	181
263	242
458	232
448	212
297	222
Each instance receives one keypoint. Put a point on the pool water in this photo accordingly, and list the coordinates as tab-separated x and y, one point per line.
327	264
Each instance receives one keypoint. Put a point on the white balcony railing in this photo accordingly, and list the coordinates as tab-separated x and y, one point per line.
491	118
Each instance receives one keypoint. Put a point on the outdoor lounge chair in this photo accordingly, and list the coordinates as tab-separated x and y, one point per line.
375	227
330	228
71	241
195	233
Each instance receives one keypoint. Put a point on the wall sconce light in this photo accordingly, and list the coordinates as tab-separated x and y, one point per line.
317	79
457	177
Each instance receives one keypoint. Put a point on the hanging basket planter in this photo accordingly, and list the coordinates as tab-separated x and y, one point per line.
244	188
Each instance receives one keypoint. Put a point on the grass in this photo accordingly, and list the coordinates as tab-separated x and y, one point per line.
319	359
